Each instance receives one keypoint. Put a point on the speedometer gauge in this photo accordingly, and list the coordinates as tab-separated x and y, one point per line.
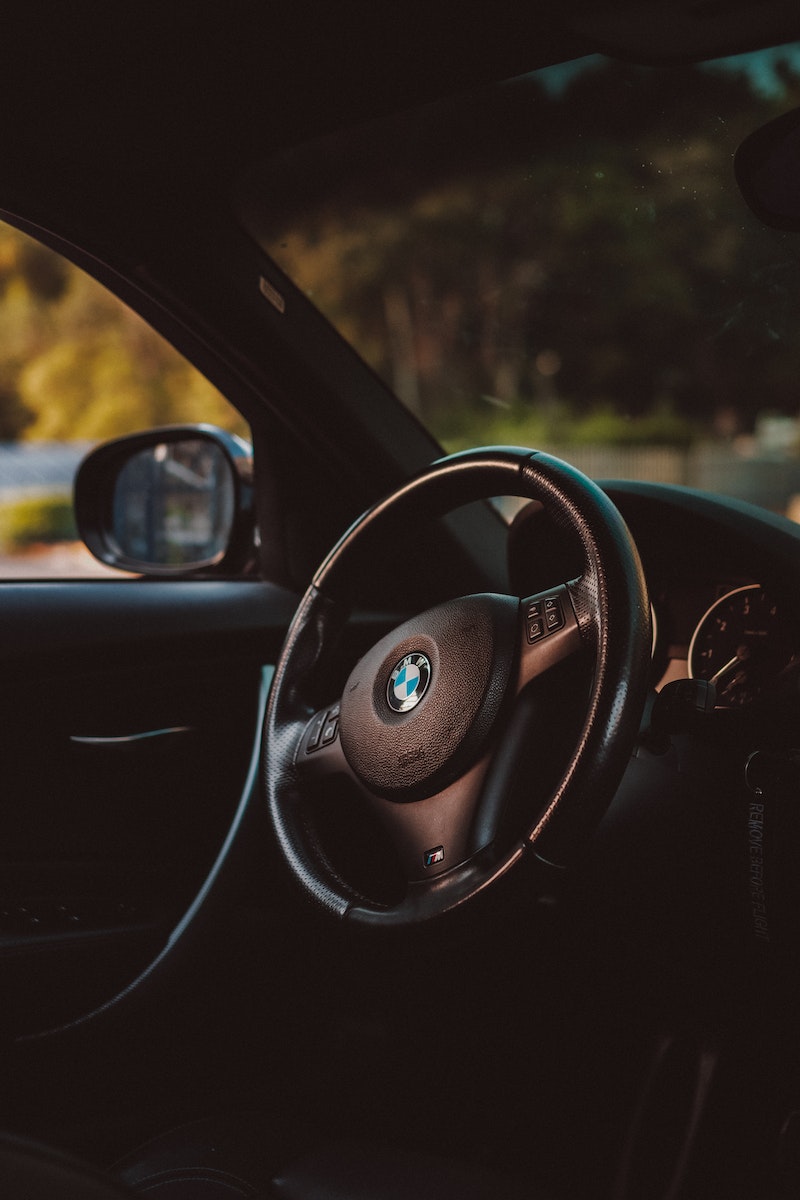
741	645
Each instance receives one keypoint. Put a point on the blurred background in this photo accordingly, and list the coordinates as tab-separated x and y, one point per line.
563	262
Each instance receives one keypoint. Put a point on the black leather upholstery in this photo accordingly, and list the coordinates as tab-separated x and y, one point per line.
221	1158
354	1171
29	1171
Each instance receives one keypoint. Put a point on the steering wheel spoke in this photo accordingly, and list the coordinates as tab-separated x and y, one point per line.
319	750
549	633
431	836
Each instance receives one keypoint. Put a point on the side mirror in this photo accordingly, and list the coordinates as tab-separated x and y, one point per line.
767	168
169	502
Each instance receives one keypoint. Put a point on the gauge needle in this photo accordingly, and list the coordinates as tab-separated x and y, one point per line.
740	656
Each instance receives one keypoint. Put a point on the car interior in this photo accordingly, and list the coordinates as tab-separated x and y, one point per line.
403	811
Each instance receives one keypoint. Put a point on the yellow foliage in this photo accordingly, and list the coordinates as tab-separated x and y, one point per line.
80	364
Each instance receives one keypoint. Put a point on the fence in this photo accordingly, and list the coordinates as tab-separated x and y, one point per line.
772	481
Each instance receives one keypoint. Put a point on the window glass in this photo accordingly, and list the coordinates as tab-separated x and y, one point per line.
565	262
77	367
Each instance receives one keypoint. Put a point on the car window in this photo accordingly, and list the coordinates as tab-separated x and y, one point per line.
77	367
565	262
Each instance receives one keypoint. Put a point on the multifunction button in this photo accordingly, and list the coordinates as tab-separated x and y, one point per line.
542	617
323	729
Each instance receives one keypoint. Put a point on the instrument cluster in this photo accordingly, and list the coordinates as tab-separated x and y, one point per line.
745	643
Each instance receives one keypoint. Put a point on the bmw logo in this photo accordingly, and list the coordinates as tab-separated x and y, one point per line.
408	683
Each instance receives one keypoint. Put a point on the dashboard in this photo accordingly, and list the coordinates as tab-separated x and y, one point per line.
724	584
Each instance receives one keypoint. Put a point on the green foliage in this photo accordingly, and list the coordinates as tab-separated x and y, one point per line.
606	427
44	519
560	425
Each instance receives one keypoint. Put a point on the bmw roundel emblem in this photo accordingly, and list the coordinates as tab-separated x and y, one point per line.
408	682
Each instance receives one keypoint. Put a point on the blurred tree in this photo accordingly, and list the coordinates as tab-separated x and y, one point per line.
76	363
598	226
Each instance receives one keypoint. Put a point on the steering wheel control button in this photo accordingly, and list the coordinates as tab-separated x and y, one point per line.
534	620
315	732
553	616
408	683
329	732
536	629
543	616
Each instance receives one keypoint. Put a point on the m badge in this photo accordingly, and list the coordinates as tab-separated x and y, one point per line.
434	856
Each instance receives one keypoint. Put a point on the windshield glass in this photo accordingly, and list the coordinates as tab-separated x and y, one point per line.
564	262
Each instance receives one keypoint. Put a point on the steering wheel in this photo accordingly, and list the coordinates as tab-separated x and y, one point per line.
425	728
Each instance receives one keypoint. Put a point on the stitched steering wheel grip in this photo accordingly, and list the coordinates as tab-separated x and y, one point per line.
421	730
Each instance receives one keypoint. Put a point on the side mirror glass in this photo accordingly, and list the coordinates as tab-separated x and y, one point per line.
173	505
169	502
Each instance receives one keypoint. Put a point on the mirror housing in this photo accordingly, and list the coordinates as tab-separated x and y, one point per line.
767	169
169	502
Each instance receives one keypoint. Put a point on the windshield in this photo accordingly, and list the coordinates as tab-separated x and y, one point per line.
564	262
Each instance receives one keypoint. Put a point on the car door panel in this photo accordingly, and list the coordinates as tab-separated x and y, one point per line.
130	714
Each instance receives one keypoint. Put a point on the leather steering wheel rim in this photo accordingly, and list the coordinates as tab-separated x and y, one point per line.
608	608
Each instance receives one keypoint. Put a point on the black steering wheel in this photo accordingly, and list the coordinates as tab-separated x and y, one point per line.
422	729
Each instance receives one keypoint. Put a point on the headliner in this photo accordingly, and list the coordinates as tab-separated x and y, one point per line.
109	96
